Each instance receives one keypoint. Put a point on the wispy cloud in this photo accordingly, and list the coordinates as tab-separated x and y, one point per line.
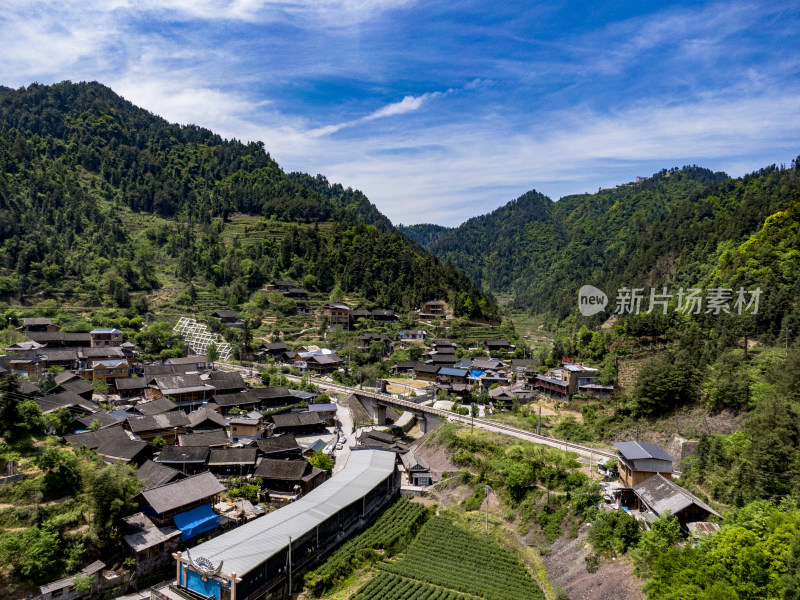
406	105
439	111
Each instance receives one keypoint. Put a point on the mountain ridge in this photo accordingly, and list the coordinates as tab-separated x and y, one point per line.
75	159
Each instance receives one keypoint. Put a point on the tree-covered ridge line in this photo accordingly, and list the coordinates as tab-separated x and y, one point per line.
103	202
425	234
685	226
532	245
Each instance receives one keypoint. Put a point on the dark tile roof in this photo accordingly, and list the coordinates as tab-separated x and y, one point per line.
292	470
36	321
232	456
155	407
208	438
65	376
254	396
104	352
278	443
497	343
204	416
444	359
183	454
130	383
122	450
26	387
324	359
180	383
60	354
95	439
660	494
162	421
151	371
172	496
187	360
275	346
524	362
66	399
77	386
153	474
640	450
225	314
227	381
423	368
303	419
104	419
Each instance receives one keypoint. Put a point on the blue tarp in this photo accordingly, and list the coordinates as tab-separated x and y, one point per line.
196	521
475	373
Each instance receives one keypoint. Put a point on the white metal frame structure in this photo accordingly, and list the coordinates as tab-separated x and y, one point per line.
199	338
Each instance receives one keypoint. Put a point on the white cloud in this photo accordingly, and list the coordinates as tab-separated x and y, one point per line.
407	105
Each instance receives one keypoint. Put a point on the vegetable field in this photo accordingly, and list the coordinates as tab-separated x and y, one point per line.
393	587
448	556
391	532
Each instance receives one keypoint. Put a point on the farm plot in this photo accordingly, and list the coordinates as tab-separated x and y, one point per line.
387	586
448	556
391	532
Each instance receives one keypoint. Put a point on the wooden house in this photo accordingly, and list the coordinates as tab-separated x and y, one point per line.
657	495
323	363
167	426
164	502
338	314
639	461
288	477
189	460
426	372
417	471
247	427
279	447
298	423
228	317
232	462
99	338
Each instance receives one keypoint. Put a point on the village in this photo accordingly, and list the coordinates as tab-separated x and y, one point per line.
220	449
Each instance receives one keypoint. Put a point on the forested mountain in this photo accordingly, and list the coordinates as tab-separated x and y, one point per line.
101	199
685	226
532	245
425	234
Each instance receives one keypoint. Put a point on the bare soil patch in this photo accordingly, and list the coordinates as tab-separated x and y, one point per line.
566	567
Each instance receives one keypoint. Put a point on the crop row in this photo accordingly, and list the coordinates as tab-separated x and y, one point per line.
446	555
393	530
386	586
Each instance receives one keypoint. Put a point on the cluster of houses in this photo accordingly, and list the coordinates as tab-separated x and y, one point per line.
571	379
307	358
100	354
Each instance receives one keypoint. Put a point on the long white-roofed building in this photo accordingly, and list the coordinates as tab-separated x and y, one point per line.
253	561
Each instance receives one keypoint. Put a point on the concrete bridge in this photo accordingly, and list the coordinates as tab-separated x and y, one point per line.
376	405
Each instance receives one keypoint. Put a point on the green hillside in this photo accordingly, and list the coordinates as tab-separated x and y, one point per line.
425	234
538	250
102	202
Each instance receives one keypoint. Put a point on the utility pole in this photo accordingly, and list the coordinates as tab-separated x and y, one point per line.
290	565
539	424
487	490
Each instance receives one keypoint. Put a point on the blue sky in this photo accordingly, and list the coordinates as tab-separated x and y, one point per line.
440	111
